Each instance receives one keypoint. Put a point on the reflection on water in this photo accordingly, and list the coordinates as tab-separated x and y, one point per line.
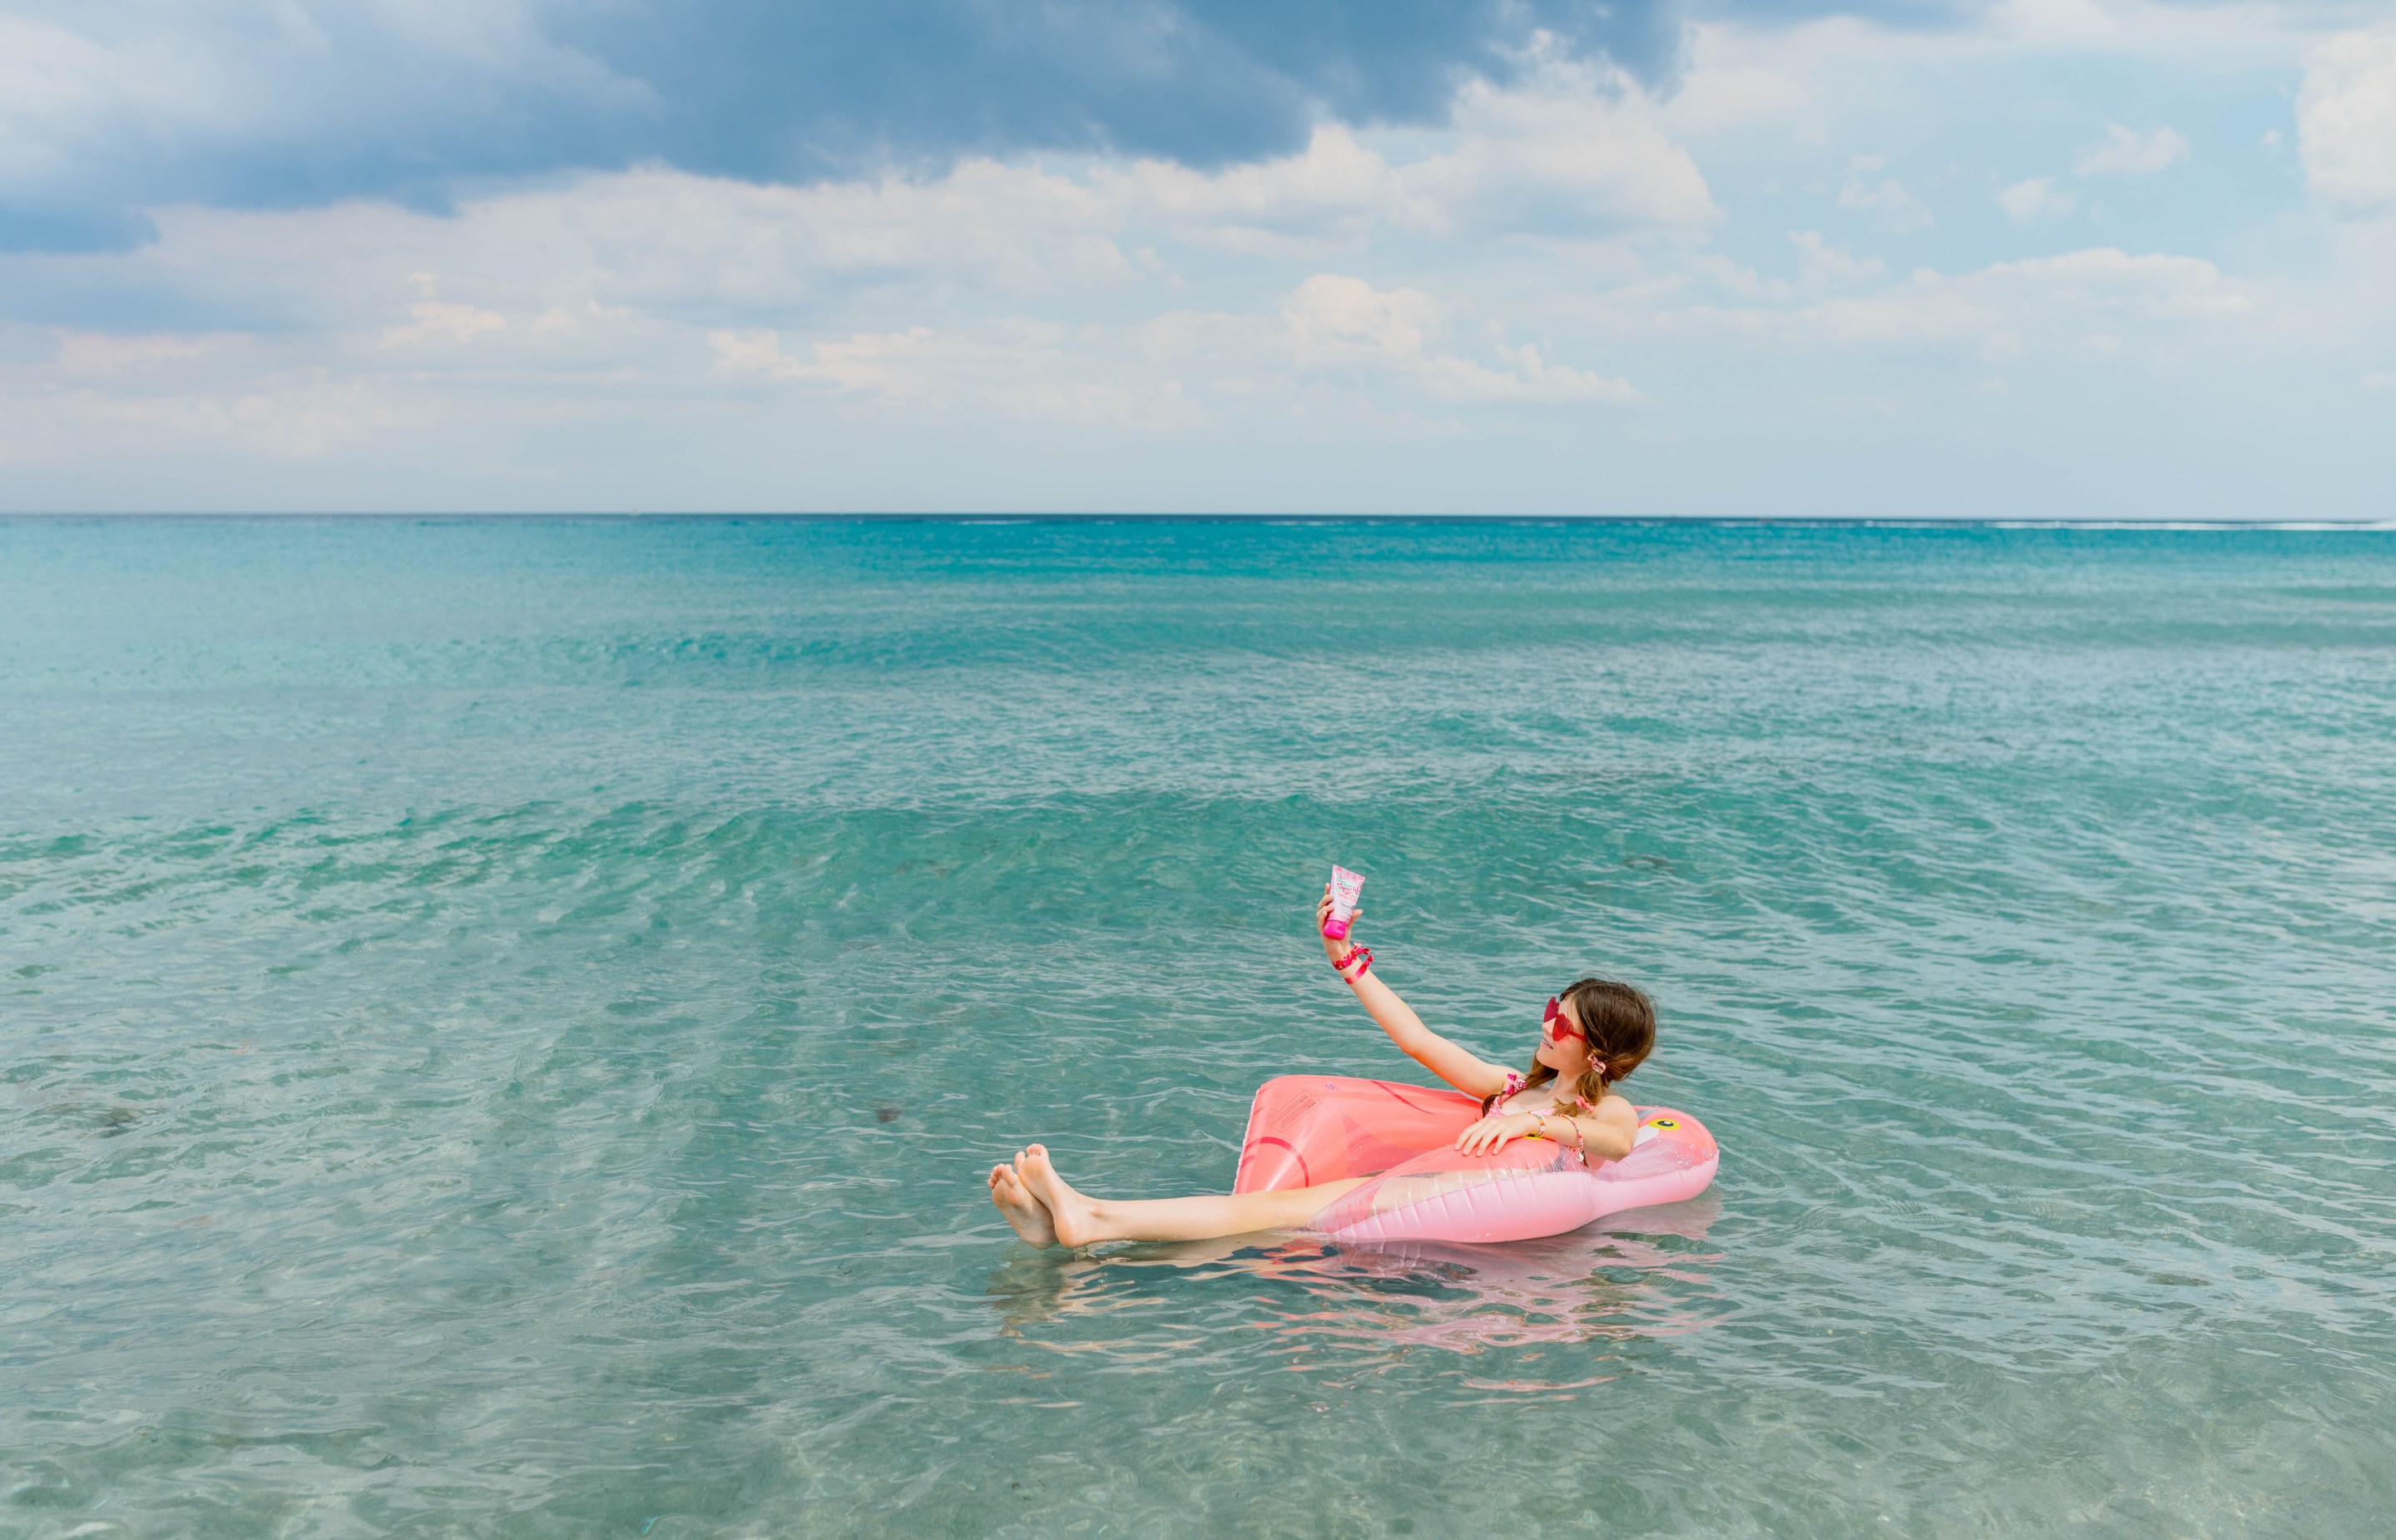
1347	1310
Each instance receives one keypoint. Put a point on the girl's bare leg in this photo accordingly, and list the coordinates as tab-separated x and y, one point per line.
1022	1210
1082	1221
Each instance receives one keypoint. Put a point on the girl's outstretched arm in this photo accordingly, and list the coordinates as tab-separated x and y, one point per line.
1467	1071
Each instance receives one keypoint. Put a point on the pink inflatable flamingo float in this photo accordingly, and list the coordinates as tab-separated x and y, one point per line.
1307	1130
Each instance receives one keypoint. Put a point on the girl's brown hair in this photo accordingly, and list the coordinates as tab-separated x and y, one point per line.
1620	1023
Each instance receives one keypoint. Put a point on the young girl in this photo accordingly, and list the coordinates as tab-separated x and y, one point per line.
1593	1034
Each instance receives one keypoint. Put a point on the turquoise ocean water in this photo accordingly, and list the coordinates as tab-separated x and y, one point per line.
501	1024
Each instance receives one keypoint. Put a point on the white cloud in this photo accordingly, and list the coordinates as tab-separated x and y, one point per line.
1334	192
100	353
1079	377
2156	284
1572	155
59	91
103	399
2346	121
2203	37
2033	199
582	297
1804	82
1332	327
1506	268
753	351
2095	303
275	415
1576	152
1890	200
605	249
1726	84
1040	373
2078	300
1821	265
436	321
2125	151
1332	322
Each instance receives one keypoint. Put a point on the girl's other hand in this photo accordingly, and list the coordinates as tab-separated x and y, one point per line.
1493	1134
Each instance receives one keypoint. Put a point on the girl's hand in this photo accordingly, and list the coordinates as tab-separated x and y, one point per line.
1493	1134
1336	950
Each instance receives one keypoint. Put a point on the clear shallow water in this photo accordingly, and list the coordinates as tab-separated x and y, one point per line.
501	1024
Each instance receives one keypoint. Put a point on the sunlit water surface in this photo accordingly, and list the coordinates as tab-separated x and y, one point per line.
501	1024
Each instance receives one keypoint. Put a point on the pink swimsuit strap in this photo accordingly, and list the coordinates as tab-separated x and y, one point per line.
1514	1083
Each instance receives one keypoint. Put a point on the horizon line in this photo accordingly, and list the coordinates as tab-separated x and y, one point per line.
1716	520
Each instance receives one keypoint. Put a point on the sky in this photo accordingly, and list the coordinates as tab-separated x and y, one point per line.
1911	258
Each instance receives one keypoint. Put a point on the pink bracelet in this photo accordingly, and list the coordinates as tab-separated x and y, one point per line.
1341	967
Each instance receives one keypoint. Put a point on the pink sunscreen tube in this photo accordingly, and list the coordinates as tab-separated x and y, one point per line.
1346	888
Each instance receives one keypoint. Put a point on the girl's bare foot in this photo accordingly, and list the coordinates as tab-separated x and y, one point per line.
1069	1212
1022	1210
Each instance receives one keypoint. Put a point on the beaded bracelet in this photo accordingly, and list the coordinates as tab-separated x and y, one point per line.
1341	967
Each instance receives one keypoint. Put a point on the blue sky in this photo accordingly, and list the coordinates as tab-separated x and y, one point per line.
2084	258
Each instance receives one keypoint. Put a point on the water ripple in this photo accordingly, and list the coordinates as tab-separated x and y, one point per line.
504	1022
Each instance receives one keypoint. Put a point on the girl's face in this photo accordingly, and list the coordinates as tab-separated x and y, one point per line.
1561	1046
